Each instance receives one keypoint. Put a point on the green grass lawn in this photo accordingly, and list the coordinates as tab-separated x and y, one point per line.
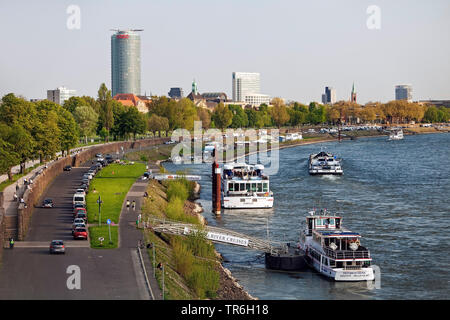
112	184
96	232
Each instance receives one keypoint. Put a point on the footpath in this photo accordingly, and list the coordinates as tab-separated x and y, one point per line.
130	235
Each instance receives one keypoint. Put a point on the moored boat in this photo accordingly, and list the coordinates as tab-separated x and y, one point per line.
334	251
245	186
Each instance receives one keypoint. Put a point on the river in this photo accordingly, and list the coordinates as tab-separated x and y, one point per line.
396	194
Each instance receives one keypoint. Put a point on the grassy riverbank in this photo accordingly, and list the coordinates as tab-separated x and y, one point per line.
111	184
192	267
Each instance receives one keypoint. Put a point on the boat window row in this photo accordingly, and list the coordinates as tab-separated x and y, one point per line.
249	186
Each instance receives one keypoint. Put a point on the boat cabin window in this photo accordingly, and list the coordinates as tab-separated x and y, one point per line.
265	187
231	186
253	187
260	189
247	187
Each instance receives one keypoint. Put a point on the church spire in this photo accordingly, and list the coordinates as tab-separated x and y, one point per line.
353	95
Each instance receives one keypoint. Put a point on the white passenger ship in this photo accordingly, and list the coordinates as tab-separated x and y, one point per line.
334	251
245	186
396	135
324	163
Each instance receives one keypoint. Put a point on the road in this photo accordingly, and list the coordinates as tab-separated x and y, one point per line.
32	273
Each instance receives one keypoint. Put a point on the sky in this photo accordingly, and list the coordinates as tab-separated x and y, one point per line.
298	47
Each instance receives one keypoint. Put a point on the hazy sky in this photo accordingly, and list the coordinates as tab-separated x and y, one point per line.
299	47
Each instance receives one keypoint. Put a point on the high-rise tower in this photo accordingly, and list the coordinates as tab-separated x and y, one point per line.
126	62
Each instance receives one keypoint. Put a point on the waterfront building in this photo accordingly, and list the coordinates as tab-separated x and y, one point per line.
176	93
403	92
437	103
330	96
132	100
60	94
255	100
126	62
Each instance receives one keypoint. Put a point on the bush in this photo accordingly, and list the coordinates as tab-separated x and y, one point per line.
204	280
184	260
199	245
175	209
177	188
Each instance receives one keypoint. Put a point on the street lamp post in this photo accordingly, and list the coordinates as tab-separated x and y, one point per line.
99	201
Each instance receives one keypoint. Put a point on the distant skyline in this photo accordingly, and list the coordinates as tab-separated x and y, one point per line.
298	47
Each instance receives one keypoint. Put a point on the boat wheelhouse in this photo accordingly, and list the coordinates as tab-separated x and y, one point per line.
334	251
245	186
324	163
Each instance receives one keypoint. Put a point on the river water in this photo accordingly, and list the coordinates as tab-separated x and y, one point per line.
396	194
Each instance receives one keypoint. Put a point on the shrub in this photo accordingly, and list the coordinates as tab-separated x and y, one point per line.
204	280
184	260
177	188
199	245
175	209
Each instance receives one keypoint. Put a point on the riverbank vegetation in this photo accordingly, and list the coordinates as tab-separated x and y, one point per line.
190	261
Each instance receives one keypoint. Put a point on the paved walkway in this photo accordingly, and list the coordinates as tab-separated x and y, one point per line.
130	235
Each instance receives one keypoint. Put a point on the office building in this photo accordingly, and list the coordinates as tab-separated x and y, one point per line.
176	93
255	100
126	62
403	92
329	97
59	95
244	83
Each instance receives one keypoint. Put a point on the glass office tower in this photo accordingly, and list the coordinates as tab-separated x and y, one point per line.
126	62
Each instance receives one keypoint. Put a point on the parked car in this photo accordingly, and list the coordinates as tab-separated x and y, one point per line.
80	233
77	210
81	215
109	158
84	187
77	225
57	246
85	180
80	190
98	155
67	168
48	203
78	220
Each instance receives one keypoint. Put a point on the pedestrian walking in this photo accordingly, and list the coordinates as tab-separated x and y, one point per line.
15	196
128	204
11	243
17	187
134	205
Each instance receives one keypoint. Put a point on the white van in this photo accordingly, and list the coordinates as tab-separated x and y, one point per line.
79	198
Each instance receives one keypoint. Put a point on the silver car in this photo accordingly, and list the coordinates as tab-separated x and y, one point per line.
57	246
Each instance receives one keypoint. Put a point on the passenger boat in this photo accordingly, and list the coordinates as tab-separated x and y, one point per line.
396	135
334	251
245	186
324	163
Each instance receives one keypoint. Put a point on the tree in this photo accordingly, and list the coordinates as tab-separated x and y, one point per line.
222	116
205	117
73	102
68	130
86	119
106	115
240	119
431	115
131	121
279	114
8	157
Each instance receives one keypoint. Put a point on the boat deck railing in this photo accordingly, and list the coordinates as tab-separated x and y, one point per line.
347	254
